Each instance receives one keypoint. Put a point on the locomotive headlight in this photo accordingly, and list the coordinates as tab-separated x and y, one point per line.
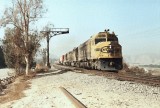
110	46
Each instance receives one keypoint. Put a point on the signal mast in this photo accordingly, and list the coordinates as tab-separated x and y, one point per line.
49	33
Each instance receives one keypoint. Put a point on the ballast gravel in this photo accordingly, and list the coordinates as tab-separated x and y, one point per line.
92	91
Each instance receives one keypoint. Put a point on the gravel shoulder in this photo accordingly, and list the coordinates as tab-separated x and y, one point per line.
4	72
92	91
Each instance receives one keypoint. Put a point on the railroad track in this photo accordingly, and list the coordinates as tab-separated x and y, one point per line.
131	76
150	80
74	101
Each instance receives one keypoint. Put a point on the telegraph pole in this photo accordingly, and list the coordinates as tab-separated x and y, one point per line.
49	34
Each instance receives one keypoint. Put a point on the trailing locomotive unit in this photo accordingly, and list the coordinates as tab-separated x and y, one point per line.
102	51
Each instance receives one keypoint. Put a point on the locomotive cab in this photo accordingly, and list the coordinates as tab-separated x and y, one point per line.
107	51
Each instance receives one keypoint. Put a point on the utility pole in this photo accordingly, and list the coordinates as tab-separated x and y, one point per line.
49	34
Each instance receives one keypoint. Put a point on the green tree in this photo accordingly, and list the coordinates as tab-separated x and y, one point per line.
13	48
2	60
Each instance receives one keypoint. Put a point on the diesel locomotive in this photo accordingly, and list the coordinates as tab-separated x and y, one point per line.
102	52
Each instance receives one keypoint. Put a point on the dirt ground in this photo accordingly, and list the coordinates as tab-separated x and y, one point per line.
14	91
92	90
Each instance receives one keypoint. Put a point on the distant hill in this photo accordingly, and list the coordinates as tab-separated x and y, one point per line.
144	59
151	66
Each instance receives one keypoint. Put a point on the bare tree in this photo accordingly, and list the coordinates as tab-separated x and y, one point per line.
22	15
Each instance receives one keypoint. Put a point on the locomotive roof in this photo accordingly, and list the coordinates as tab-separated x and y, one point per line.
104	34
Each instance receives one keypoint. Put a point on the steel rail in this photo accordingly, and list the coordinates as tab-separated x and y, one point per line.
75	101
145	80
148	80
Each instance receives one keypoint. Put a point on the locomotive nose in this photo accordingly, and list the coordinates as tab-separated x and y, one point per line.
111	63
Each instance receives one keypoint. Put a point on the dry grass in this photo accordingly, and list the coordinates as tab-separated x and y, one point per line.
134	69
14	91
41	68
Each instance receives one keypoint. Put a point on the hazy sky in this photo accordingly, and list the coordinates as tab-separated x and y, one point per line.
136	22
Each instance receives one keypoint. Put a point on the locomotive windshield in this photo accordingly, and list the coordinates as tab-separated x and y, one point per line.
97	40
112	38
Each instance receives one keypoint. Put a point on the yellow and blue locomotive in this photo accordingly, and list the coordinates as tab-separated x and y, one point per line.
102	51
